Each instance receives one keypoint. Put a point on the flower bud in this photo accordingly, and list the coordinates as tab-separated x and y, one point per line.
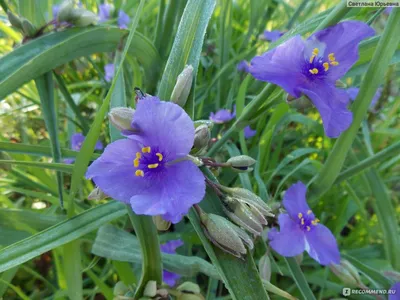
121	117
14	20
242	215
241	163
182	87
161	224
65	11
150	289
347	273
225	235
299	258
189	287
97	194
81	17
264	266
202	136
120	289
184	296
28	28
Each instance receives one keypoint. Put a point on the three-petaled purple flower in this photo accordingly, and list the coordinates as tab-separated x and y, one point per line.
123	19
170	247
76	145
395	292
104	12
150	170
223	116
243	66
313	66
248	132
109	72
273	35
300	230
353	92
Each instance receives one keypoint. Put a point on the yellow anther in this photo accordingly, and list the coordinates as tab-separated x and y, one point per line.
300	215
315	51
146	149
312	58
138	155
160	156
139	173
309	212
315	222
331	56
136	162
326	66
308	228
152	166
314	71
334	63
302	221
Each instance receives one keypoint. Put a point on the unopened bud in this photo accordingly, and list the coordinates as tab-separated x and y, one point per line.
28	28
185	296
225	235
81	17
182	87
65	11
241	163
161	224
14	20
242	215
120	289
299	258
264	266
97	194
150	289
189	287
202	136
347	273
121	117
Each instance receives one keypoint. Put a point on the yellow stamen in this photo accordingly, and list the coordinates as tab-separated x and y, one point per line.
138	155
314	71
308	228
160	156
315	51
331	56
312	58
152	166
315	222
302	221
139	173
300	215
326	66
146	149
334	63
136	162
309	212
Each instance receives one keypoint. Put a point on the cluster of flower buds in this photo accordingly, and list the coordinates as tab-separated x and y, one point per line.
346	272
76	16
22	24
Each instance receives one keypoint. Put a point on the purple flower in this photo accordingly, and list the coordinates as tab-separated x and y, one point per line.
76	145
149	170
313	66
353	92
170	248
248	132
300	230
223	116
123	19
273	35
104	12
243	66
395	292
109	70
55	9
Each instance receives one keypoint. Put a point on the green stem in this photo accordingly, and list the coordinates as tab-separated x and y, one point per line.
159	26
147	235
368	162
299	278
247	112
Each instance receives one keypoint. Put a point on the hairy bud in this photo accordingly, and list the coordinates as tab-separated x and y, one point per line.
120	289
65	11
182	87
81	17
347	273
241	163
151	289
97	194
264	266
28	28
14	20
161	224
189	287
121	117
202	137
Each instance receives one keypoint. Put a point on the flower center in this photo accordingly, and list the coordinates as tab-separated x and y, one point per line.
307	221
147	160
316	66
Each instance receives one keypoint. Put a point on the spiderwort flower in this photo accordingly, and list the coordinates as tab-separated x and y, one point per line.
222	116
353	92
123	19
170	247
300	230
273	35
248	132
148	170
395	292
76	145
104	12
109	72
313	66
243	66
